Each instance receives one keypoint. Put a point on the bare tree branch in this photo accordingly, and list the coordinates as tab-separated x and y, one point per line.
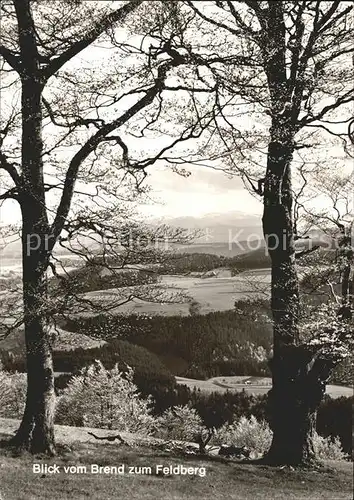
99	27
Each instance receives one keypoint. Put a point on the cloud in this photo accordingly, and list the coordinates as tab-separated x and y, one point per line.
204	191
201	179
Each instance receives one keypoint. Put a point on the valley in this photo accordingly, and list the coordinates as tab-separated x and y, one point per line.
197	335
252	385
216	290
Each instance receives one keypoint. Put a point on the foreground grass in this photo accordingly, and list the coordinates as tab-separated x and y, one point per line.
223	479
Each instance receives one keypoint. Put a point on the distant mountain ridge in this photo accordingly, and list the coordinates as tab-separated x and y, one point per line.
219	227
227	234
215	228
223	249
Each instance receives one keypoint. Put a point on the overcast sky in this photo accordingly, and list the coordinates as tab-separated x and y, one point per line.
205	191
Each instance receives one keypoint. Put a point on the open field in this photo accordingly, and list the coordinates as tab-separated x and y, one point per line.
213	293
252	385
223	479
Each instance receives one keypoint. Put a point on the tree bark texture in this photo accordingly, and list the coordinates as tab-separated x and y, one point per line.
36	432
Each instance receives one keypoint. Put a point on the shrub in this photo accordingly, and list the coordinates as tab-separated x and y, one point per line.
217	408
13	360
249	432
343	373
328	448
179	422
150	375
257	437
334	418
12	394
109	399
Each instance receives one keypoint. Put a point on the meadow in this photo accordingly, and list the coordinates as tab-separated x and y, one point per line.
199	278
224	478
217	292
252	385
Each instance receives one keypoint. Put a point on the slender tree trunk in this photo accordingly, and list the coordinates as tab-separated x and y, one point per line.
346	254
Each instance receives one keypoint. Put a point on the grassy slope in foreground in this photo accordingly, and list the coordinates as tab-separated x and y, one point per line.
223	479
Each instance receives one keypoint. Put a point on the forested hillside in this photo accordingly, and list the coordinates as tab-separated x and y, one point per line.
200	346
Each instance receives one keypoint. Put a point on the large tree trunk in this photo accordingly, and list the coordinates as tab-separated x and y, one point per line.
296	391
36	432
293	424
